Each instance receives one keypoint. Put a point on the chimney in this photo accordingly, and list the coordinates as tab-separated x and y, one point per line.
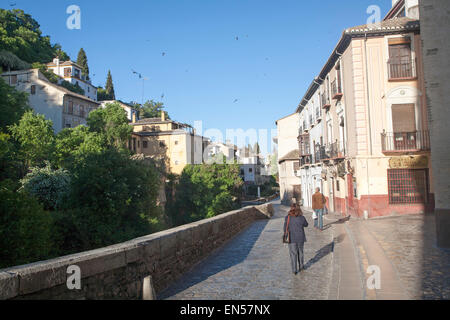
163	116
133	116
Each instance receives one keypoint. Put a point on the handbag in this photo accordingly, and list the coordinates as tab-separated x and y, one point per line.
286	236
314	215
325	210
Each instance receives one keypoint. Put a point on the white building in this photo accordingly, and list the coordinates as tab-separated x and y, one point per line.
71	72
216	148
288	158
65	108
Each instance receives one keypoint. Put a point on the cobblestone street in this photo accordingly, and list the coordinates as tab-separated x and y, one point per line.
255	264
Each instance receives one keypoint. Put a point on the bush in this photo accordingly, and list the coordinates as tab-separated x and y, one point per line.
47	185
25	227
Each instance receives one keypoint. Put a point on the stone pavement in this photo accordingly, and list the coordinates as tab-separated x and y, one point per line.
255	264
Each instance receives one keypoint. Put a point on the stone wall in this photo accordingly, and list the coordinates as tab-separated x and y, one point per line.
118	271
434	24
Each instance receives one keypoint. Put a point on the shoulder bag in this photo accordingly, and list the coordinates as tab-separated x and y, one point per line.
286	236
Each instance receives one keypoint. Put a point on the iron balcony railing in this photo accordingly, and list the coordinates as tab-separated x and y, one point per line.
325	100
405	141
336	90
319	153
402	69
334	150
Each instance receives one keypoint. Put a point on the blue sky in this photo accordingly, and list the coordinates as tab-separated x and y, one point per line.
205	73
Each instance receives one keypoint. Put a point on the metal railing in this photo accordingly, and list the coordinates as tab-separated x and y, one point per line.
402	69
325	99
335	88
405	141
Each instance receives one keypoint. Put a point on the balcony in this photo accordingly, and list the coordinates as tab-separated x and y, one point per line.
319	153
402	70
325	101
334	151
399	142
336	90
306	160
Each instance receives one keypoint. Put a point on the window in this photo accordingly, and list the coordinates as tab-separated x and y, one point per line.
296	166
82	111
67	72
400	58
162	144
407	186
33	89
14	79
145	144
337	185
176	142
70	108
77	73
250	170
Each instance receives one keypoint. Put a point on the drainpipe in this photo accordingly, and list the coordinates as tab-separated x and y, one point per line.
370	121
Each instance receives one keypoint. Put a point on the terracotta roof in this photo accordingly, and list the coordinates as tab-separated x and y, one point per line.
395	24
292	155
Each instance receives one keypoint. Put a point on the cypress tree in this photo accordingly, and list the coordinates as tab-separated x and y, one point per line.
83	63
110	87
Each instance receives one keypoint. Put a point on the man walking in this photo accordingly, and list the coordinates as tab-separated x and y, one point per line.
318	203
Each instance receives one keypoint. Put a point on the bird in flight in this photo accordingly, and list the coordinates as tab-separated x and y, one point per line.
163	54
12	4
162	96
237	38
140	76
235	100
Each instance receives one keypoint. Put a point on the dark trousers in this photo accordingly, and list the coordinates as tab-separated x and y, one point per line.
296	253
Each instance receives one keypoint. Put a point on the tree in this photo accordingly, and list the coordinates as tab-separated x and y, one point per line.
205	191
13	105
83	63
150	109
20	34
36	138
109	88
25	227
112	122
112	199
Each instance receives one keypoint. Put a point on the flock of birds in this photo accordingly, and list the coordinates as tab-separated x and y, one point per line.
163	54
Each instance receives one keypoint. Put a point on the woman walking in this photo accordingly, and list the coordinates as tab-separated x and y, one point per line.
294	223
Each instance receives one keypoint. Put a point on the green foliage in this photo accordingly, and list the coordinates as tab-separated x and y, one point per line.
47	185
35	136
113	199
72	87
109	88
20	34
25	227
83	63
112	122
13	104
9	61
150	109
205	191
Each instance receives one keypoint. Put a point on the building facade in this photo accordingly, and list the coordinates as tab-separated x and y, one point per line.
71	72
288	158
66	109
371	143
176	143
436	50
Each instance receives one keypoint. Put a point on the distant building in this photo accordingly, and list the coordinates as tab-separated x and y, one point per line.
288	158
132	113
65	108
71	72
216	148
166	139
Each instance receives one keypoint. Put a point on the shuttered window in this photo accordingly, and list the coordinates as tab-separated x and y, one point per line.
403	118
